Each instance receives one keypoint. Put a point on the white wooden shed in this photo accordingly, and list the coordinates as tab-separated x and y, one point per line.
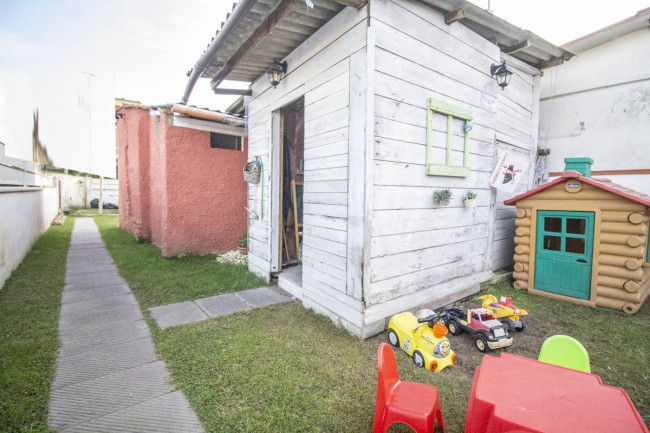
373	106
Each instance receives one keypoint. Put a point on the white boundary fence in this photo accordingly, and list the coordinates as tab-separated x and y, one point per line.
28	204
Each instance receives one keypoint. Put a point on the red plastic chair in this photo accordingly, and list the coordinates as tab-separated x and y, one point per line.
414	404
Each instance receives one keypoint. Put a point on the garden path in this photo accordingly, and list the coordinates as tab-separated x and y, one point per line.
108	377
215	306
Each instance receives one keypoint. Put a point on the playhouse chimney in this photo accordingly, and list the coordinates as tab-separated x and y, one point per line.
582	165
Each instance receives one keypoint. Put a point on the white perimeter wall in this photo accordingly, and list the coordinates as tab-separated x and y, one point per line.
74	188
597	105
25	214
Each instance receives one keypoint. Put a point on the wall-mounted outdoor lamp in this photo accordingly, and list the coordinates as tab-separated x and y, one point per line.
276	72
501	74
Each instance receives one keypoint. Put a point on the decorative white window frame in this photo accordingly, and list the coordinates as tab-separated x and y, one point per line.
451	111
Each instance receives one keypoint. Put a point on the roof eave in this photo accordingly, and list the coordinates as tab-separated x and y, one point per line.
511	39
589	181
607	34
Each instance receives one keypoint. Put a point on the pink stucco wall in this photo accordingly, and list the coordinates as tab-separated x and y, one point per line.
133	126
191	197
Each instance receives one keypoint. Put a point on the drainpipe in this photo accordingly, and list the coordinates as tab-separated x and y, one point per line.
201	65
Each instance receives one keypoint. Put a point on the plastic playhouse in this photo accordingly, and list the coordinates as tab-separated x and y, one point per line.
583	240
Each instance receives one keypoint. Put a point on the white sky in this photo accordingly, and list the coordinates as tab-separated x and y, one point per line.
149	45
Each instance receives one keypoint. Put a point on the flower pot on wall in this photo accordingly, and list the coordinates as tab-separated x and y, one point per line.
441	197
470	203
243	250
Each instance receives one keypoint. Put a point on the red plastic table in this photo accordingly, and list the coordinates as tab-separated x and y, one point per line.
513	393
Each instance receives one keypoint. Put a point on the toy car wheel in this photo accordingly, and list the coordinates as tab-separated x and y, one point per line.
522	327
393	338
508	325
454	328
442	321
481	344
418	359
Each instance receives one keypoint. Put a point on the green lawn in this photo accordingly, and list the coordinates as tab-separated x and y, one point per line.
29	314
156	280
283	368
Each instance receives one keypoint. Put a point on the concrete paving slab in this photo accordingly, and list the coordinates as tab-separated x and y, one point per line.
108	275
170	413
262	296
94	319
86	285
90	259
82	255
86	240
101	304
94	398
75	269
222	305
90	294
95	246
84	340
177	314
101	362
95	243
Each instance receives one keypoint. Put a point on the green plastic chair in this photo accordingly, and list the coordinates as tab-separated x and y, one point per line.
566	352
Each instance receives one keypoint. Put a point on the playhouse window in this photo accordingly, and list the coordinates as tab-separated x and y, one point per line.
567	234
553	243
553	225
462	128
576	226
575	245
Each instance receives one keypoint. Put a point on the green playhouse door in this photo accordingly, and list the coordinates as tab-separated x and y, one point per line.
563	253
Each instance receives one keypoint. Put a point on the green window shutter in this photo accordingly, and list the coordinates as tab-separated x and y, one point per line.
451	111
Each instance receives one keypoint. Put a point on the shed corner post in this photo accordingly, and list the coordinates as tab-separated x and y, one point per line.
360	163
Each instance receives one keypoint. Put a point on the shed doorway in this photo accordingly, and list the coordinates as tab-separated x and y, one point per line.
563	253
291	181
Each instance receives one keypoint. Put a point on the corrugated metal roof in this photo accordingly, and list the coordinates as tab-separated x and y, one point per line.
288	34
519	43
302	22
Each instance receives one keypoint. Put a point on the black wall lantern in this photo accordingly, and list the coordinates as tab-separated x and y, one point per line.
501	74
276	72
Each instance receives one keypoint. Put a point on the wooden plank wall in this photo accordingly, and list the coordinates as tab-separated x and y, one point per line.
421	252
516	132
319	71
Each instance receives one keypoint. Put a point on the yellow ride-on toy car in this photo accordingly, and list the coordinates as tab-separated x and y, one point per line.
422	338
505	312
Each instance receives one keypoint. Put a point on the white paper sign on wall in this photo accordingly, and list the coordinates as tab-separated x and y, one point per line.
509	171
